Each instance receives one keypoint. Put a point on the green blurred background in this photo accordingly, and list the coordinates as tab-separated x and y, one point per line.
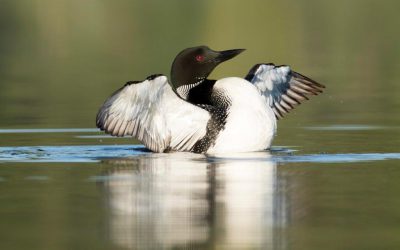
60	59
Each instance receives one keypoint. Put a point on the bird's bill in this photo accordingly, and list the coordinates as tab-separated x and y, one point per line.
228	54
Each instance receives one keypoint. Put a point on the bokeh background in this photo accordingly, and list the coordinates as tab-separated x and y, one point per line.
60	59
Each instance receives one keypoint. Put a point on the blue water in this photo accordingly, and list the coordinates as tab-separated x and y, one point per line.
96	153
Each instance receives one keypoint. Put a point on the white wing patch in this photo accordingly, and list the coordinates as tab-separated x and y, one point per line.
281	87
154	114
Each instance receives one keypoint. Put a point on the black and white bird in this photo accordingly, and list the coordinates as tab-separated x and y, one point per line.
195	114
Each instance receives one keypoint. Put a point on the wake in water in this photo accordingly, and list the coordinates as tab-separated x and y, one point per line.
97	153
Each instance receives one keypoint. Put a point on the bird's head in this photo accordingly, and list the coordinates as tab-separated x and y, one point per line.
192	65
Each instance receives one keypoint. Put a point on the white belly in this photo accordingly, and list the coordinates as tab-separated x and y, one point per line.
250	125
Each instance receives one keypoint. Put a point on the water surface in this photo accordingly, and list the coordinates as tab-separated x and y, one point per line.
121	196
331	180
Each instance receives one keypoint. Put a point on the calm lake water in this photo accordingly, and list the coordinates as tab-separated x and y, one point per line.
331	181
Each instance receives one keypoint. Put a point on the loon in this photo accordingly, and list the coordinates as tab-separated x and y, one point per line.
192	113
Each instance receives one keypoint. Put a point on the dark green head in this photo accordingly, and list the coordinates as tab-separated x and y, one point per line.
193	65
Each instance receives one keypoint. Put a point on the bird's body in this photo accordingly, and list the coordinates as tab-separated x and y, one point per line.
250	126
199	115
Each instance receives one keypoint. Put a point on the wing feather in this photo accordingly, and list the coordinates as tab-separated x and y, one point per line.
282	88
151	112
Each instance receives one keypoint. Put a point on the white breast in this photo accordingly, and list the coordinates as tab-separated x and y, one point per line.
251	123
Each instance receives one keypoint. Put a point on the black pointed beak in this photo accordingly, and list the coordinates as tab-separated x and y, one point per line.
228	54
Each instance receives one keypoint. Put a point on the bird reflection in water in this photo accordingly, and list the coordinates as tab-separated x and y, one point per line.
184	200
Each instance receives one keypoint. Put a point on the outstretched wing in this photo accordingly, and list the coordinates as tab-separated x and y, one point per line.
150	111
282	88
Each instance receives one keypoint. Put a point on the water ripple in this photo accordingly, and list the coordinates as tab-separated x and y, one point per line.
92	153
347	127
97	153
49	130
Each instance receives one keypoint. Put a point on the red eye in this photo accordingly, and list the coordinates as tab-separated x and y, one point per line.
199	58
